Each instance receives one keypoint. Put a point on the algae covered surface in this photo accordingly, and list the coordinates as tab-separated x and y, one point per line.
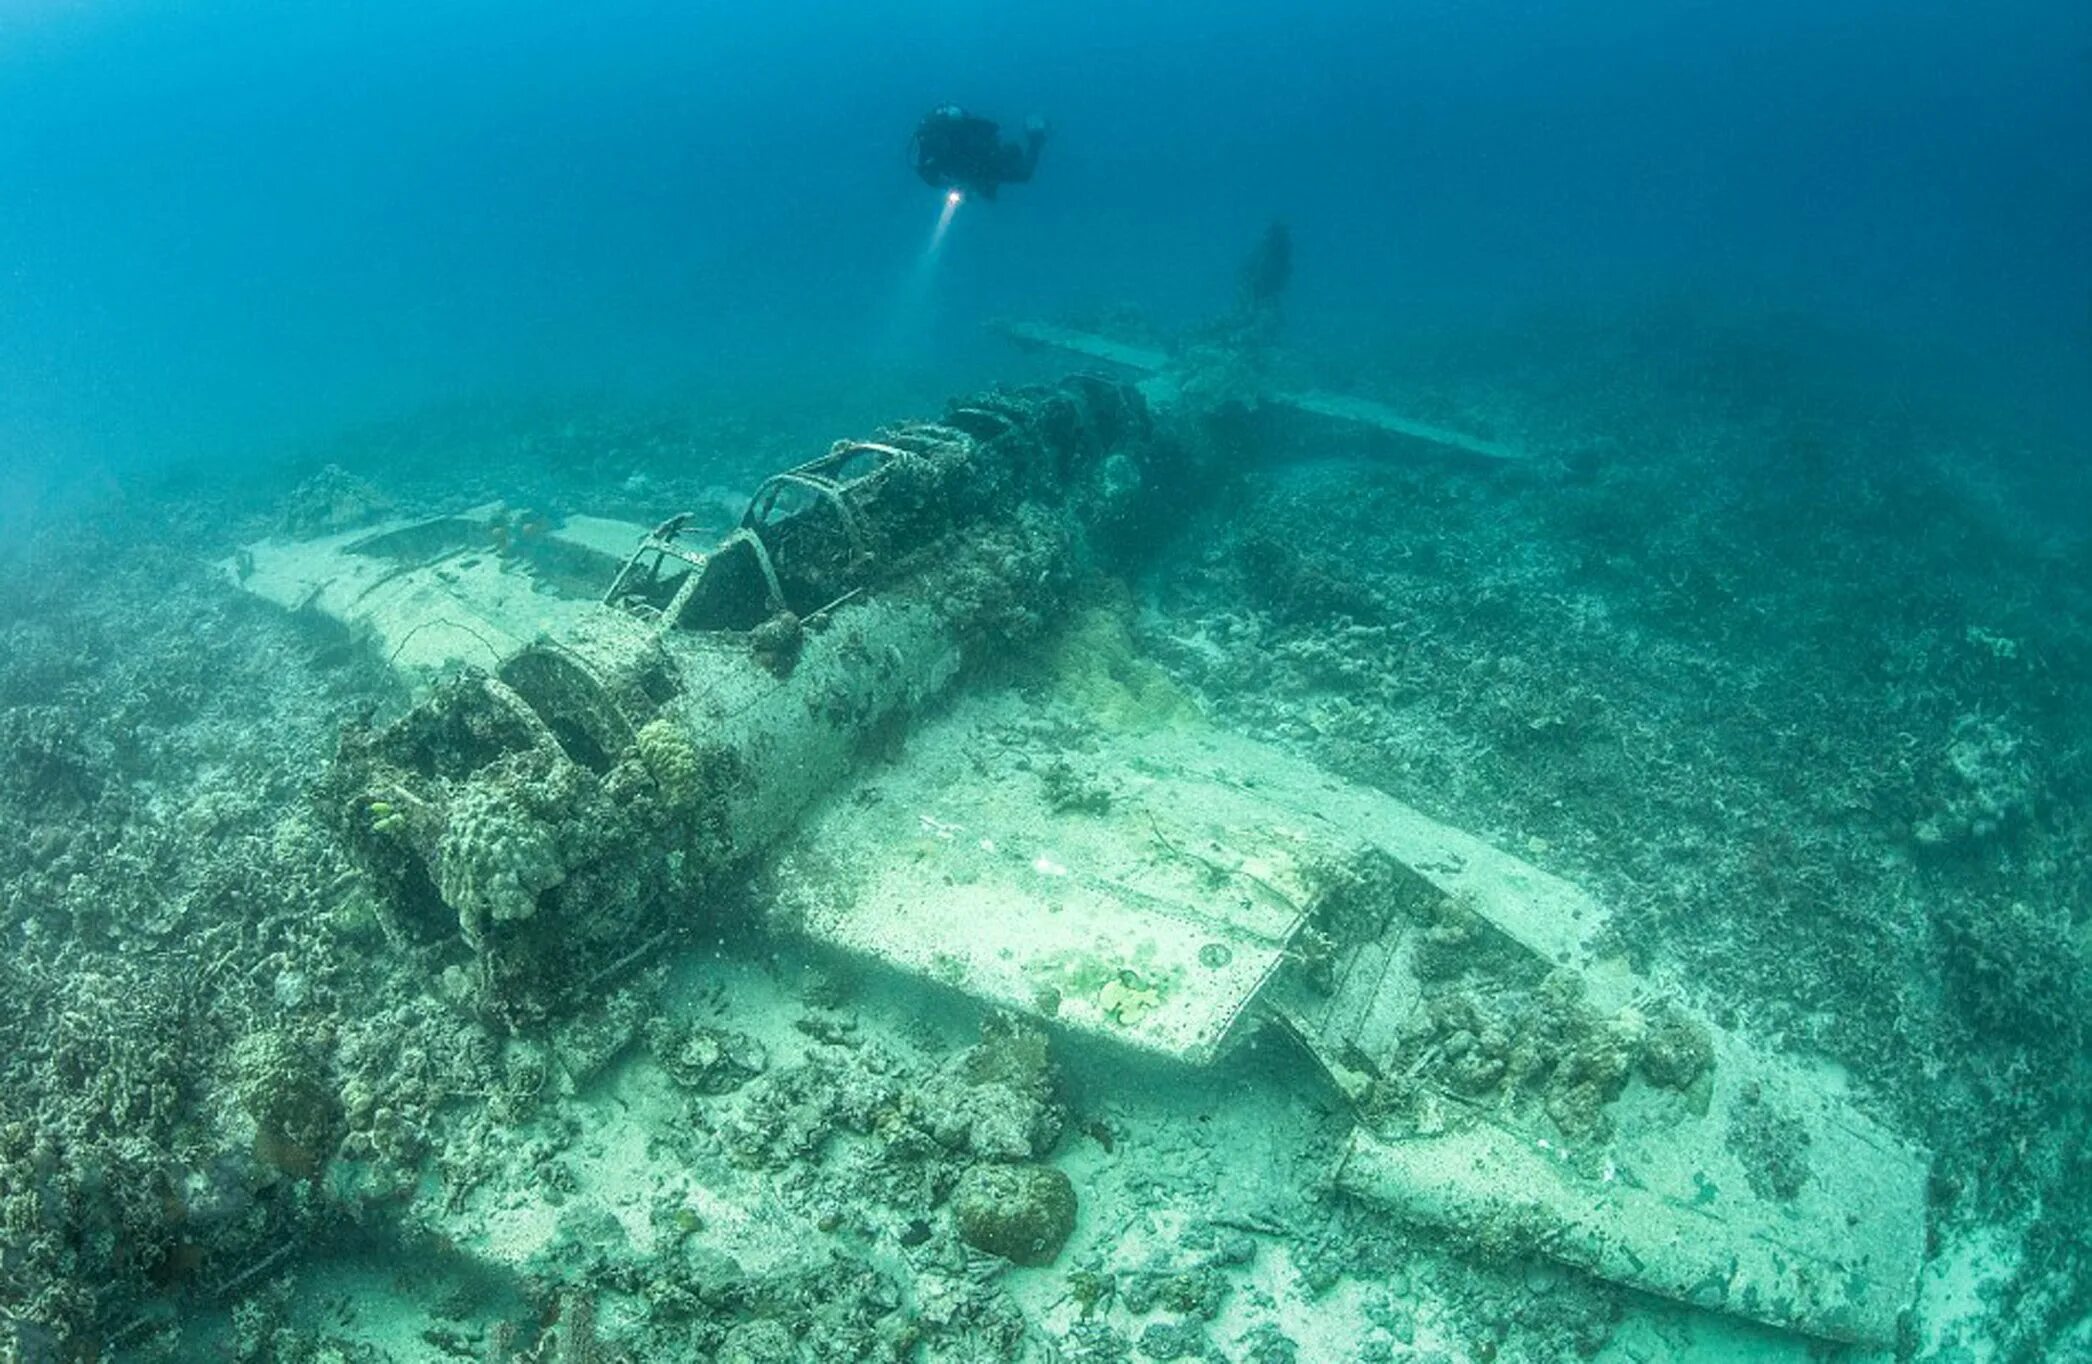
1830	774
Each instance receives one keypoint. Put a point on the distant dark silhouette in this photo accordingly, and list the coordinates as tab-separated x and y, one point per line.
1267	270
1260	287
953	149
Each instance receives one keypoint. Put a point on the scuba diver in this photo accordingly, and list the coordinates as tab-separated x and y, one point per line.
965	152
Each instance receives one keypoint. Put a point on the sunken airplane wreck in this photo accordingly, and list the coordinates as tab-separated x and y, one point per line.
617	727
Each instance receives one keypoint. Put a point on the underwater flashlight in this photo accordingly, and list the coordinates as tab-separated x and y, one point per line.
953	199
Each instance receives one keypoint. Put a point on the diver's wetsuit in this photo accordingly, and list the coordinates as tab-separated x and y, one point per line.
965	151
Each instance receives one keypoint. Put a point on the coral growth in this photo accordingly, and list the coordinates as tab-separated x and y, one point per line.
1023	1213
493	860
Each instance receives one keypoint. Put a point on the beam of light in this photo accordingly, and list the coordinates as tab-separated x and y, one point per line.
952	201
909	319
